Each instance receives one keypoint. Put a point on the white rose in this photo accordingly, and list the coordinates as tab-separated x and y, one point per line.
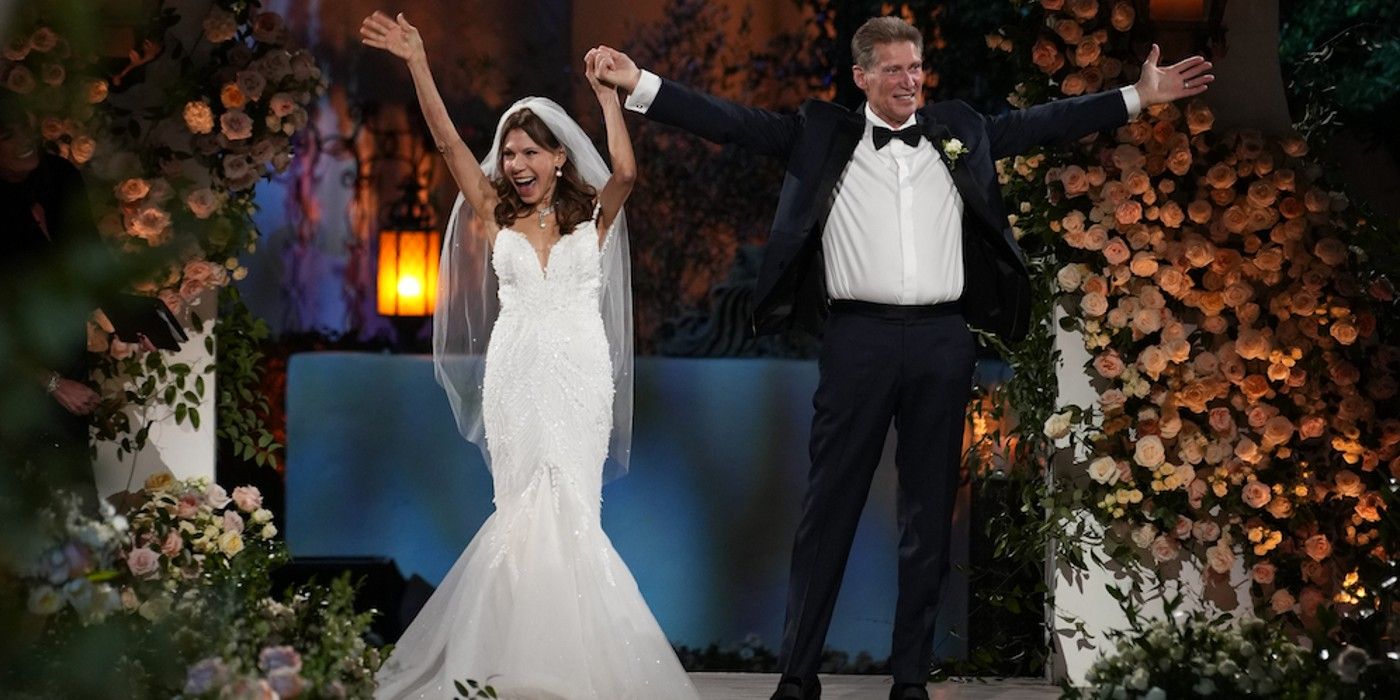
1057	425
1104	470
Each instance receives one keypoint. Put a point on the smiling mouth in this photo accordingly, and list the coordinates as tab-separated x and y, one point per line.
525	186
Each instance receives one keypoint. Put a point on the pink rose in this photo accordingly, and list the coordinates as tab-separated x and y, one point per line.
143	562
1182	530
273	658
233	522
236	125
173	544
1109	365
188	506
1164	549
247	498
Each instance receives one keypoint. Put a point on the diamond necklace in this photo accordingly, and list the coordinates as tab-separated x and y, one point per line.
543	212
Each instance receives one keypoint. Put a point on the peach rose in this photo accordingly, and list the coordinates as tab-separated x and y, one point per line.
132	190
1046	56
1122	16
1068	30
1112	400
202	202
1147	321
1294	145
1203	530
1109	365
1220	176
1153	361
1116	251
1128	157
1369	507
1084	9
1281	601
198	117
1143	265
1087	52
1095	237
1348	484
1256	494
1278	430
1220	558
1075	181
1280	508
1149	452
1094	304
1344	332
1262	573
232	96
1318	547
173	544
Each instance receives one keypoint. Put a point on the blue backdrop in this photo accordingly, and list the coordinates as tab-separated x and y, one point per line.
704	520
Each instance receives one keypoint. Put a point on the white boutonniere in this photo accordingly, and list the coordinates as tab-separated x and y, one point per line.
953	149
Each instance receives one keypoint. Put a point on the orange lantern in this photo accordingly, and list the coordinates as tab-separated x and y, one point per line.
408	271
408	258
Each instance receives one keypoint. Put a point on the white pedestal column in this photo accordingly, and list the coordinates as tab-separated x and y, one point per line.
182	450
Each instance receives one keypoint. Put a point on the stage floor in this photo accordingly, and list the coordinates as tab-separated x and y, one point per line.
758	686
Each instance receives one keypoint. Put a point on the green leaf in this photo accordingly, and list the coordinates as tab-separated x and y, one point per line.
194	417
180	412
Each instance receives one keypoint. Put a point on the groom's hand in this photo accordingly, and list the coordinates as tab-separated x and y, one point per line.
1185	79
615	68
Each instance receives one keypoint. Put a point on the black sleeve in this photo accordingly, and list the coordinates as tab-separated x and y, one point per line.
1020	130
722	121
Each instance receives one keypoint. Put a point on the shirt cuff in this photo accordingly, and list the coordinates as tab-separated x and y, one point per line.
641	98
1131	100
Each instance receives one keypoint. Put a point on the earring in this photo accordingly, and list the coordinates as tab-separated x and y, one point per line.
558	171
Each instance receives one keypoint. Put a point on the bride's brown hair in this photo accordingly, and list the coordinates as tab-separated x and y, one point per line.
573	198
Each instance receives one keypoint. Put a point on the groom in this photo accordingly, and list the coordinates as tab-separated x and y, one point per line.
889	236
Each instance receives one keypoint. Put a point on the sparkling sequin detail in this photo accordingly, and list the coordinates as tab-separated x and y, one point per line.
539	603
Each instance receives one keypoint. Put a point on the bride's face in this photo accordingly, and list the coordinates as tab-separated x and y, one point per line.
530	166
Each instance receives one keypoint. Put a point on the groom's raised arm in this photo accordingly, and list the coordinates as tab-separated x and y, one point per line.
711	118
1062	120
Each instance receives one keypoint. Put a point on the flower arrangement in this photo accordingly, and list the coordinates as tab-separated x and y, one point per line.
175	173
187	569
1195	655
182	536
1246	387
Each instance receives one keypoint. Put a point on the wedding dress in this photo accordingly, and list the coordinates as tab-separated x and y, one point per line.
539	605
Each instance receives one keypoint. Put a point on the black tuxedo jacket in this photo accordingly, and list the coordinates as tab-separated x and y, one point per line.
818	141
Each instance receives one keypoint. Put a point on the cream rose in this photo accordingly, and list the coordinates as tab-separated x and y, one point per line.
1104	470
1149	452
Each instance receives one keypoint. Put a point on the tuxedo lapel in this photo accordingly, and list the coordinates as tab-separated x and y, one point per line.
937	132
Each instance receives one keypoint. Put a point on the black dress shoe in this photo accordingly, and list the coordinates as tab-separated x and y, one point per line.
909	691
794	688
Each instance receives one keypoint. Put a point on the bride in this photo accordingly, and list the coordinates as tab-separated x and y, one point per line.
535	273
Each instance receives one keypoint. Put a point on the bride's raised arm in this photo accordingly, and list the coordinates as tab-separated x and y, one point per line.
401	39
624	165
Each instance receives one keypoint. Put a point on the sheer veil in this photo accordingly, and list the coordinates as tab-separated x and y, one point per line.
467	305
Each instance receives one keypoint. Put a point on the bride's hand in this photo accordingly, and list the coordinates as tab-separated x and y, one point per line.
396	36
594	65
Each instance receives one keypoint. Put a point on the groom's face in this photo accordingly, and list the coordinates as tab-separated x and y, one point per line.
893	85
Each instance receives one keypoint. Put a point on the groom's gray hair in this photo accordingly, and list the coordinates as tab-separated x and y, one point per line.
882	30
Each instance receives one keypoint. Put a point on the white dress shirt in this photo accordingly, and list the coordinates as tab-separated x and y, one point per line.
894	235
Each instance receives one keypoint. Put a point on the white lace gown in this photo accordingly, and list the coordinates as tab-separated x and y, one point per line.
539	605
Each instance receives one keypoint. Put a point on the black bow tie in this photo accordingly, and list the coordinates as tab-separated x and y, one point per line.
909	135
